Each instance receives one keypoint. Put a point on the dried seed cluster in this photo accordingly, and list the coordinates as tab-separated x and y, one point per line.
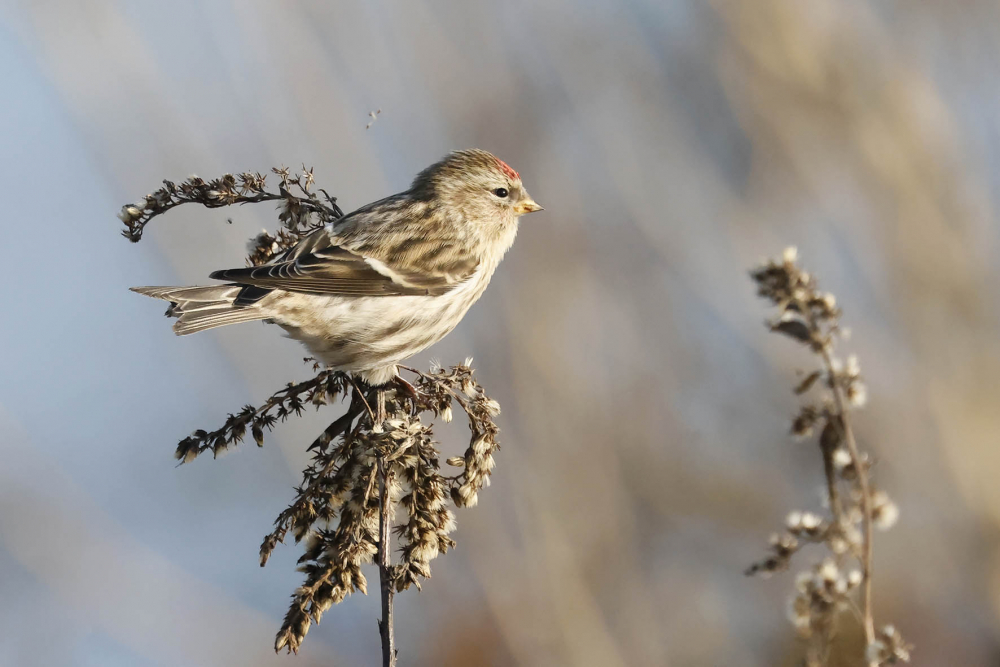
477	463
301	211
325	388
360	472
337	505
812	318
820	593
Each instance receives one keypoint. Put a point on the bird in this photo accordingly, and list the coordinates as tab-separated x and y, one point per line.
382	283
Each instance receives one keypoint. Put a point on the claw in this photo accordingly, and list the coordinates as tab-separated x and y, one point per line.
407	388
410	391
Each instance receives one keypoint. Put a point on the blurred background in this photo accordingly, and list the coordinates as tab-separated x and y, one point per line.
674	144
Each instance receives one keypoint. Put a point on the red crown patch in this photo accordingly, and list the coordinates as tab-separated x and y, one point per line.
506	168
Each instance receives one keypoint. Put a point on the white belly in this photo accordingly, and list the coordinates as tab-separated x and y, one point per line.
370	335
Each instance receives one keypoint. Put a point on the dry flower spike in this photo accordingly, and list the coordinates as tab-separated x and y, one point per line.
822	593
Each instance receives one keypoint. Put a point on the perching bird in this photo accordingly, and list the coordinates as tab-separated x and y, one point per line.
382	283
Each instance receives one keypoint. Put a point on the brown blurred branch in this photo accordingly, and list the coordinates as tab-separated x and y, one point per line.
812	318
822	343
847	435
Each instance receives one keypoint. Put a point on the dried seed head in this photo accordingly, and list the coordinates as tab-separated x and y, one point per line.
857	394
827	573
798	613
889	648
841	458
885	513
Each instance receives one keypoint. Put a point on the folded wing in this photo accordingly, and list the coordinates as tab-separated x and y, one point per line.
320	265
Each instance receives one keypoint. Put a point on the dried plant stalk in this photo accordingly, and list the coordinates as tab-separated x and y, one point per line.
362	468
385	626
822	592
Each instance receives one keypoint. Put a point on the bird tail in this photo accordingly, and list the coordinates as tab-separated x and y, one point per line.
201	308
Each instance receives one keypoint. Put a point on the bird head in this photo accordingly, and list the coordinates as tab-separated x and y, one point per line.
480	185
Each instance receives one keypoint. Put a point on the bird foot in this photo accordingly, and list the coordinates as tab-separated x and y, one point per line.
411	392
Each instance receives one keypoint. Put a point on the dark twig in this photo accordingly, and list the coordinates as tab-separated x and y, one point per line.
385	575
861	472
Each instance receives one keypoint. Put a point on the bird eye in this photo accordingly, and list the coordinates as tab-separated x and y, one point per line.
501	192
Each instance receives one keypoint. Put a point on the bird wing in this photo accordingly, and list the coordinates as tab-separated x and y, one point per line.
326	264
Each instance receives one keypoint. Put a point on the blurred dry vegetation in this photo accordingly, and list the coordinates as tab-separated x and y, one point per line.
674	143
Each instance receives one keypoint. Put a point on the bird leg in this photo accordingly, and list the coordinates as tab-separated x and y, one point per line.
380	414
360	394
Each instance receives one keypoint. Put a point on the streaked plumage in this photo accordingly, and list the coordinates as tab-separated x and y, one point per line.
383	282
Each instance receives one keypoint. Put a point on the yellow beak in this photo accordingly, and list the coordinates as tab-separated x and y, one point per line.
526	206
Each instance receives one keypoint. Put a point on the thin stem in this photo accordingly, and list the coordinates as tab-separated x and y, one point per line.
385	565
867	547
361	395
828	468
831	486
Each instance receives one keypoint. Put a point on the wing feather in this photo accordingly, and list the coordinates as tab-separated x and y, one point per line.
321	264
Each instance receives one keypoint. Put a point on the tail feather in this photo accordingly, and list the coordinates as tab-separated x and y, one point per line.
201	308
189	323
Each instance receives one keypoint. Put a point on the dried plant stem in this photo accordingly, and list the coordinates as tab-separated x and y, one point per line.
345	506
820	341
817	656
847	435
811	317
385	576
831	484
867	546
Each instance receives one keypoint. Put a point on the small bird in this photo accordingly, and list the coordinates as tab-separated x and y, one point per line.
382	283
